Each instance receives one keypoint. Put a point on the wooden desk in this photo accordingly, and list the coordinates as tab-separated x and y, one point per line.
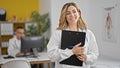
42	58
41	62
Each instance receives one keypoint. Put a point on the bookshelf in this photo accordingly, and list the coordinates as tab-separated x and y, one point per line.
7	30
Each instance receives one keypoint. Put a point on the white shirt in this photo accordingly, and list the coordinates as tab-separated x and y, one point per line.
14	46
56	54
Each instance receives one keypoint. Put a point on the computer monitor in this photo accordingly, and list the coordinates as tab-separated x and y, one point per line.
28	44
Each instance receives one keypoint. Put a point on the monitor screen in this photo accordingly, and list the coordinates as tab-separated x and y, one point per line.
29	43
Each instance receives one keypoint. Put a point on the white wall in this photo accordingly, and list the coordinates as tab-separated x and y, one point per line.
108	49
45	7
92	13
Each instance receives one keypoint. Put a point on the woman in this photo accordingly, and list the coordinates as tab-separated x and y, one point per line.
71	20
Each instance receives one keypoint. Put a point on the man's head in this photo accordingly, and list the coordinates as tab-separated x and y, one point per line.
19	32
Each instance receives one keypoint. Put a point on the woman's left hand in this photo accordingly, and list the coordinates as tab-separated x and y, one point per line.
82	57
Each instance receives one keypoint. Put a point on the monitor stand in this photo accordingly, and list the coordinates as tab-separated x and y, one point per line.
35	52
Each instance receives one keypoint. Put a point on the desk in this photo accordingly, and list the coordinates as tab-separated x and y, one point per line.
42	58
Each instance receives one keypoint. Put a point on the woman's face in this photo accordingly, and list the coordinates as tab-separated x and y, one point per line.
72	15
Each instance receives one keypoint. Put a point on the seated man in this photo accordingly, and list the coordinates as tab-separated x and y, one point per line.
15	43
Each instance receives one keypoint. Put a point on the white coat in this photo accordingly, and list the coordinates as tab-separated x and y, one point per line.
14	46
56	54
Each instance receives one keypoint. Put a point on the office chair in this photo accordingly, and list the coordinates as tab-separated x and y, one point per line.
16	64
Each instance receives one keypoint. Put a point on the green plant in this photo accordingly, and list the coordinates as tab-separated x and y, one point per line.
43	24
32	30
42	20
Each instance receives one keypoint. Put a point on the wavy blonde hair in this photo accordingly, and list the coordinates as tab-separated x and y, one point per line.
63	22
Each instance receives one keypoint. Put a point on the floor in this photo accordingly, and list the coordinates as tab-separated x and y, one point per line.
105	62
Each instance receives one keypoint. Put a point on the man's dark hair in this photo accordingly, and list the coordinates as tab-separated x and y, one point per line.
19	27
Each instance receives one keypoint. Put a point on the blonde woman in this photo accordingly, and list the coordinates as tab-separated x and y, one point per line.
71	20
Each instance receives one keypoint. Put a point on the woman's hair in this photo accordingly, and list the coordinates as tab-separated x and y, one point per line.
63	22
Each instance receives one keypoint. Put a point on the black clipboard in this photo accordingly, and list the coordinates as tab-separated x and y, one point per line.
68	40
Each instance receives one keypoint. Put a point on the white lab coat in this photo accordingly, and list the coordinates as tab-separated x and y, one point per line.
57	55
14	46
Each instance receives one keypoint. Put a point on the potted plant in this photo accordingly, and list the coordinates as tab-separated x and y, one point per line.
43	24
42	20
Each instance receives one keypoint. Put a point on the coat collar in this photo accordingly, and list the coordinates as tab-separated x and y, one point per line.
80	30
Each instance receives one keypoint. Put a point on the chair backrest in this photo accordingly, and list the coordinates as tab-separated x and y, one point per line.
16	64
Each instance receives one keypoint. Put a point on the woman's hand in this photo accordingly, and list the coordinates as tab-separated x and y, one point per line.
82	57
78	50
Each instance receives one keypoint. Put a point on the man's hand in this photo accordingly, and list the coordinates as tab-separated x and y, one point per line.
19	54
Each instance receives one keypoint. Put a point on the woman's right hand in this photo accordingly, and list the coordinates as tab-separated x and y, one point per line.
77	50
